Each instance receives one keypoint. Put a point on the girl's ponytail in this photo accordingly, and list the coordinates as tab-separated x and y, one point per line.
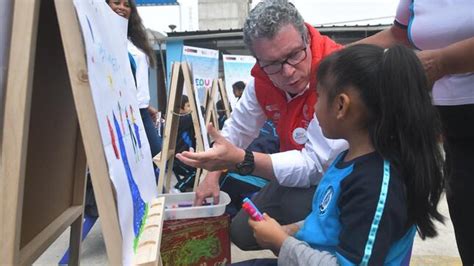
412	128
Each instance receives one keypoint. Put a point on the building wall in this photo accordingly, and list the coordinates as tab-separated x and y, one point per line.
222	14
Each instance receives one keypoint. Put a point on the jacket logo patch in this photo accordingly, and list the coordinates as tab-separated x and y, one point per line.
326	200
299	135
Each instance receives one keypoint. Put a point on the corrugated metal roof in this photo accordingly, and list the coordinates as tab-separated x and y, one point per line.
156	2
223	33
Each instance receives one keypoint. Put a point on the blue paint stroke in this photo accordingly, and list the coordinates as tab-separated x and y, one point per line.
135	126
132	136
137	133
138	203
90	29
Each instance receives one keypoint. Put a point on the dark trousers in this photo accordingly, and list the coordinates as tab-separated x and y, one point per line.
151	133
458	123
285	204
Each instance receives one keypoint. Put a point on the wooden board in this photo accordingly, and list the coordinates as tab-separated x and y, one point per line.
148	249
181	79
211	110
225	98
104	191
43	151
164	160
188	82
42	148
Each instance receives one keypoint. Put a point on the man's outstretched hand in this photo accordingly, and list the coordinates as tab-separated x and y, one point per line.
222	155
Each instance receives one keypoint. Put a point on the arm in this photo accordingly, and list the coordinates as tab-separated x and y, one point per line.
448	60
292	168
295	252
396	34
153	113
239	130
305	168
453	58
270	234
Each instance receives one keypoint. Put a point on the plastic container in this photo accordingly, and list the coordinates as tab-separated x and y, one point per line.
176	206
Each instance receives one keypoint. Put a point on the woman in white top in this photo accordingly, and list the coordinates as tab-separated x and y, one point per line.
141	57
443	31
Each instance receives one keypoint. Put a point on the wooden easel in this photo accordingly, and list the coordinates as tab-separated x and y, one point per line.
43	157
180	78
43	169
164	160
211	110
225	98
148	248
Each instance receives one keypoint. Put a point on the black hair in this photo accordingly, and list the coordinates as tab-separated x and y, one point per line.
239	85
184	100
403	125
137	33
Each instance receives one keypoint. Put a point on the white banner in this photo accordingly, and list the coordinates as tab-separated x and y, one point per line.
204	65
236	68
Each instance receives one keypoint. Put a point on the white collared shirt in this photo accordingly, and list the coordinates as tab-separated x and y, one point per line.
141	75
292	168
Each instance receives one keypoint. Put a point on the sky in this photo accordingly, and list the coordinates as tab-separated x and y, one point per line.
316	12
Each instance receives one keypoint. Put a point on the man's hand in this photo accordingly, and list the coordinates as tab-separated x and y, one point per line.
432	63
209	187
268	233
223	154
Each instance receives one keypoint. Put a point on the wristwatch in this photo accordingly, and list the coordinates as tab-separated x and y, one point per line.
247	166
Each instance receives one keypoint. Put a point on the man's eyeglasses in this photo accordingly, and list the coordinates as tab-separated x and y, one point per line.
292	60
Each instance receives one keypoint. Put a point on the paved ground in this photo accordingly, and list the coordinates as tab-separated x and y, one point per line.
438	251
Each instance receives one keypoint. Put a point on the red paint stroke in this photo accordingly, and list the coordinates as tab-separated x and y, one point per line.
112	136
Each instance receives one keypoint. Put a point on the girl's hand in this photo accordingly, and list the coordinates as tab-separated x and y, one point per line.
268	233
153	113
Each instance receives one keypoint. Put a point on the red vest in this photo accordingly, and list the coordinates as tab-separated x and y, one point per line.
292	118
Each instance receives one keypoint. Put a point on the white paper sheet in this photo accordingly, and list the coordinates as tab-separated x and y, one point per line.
123	135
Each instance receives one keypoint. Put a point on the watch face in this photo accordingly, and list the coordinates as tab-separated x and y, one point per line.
245	169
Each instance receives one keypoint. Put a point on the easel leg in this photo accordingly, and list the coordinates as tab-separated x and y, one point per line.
75	241
86	228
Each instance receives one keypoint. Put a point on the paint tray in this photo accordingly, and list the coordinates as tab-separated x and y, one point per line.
178	206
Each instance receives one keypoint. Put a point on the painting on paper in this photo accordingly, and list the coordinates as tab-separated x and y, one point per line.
123	136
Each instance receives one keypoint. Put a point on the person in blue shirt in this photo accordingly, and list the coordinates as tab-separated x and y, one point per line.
382	190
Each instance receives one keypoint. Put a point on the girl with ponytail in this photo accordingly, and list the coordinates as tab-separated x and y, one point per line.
387	185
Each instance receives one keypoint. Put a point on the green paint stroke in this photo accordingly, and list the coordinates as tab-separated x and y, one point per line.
195	249
142	226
